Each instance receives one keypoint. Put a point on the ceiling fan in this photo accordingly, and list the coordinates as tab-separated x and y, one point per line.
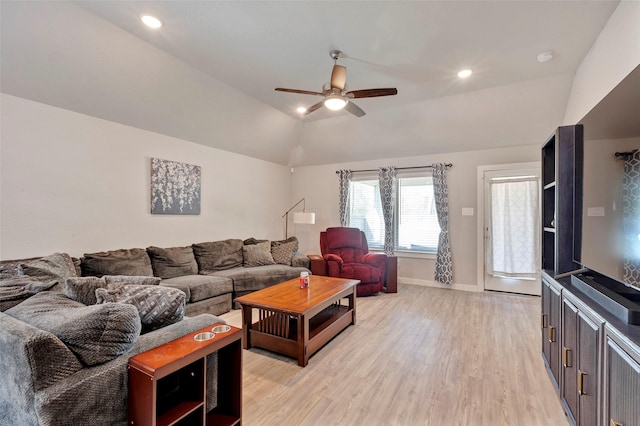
335	95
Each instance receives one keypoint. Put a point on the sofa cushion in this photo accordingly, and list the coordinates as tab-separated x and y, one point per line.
200	287
16	288
361	271
95	334
53	267
172	262
283	251
157	306
218	255
259	277
83	289
121	280
251	241
117	262
257	254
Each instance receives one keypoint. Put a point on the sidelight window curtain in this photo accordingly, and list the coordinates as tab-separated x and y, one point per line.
387	176
513	243
343	202
631	218
444	264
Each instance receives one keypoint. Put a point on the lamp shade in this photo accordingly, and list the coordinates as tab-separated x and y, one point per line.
304	217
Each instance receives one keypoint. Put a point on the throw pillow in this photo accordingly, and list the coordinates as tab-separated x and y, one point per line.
95	334
283	251
172	262
114	281
18	287
157	306
53	267
257	254
83	289
218	255
134	262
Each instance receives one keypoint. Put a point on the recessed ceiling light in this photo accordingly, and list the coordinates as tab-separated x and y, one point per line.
151	21
301	110
464	73
545	56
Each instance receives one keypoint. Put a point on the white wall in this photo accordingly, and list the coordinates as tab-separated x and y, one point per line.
319	184
612	57
75	183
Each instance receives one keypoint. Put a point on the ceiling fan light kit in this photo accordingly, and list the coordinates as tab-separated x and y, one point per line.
335	103
335	94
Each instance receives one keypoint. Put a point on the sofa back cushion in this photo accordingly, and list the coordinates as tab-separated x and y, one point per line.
95	334
57	266
218	255
117	262
172	262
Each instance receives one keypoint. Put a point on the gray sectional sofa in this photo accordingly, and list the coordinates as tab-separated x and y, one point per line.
211	274
65	348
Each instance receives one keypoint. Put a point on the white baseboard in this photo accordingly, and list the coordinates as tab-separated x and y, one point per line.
431	283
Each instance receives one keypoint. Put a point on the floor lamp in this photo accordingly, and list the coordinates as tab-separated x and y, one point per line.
302	217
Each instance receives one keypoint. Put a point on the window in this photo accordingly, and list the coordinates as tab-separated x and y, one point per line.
415	223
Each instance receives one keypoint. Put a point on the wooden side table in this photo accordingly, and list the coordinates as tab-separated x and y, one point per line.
391	281
167	384
318	264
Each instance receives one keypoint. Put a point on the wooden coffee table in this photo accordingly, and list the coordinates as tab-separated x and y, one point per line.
297	322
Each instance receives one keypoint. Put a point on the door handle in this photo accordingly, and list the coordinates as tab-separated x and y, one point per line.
565	357
614	423
550	334
543	320
581	375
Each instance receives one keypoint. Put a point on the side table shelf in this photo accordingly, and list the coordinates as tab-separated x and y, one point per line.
167	384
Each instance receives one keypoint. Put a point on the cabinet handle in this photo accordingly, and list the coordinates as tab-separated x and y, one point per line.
581	375
614	423
550	334
565	357
543	320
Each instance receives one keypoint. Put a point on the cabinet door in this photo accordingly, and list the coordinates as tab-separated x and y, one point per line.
622	387
587	373
569	357
553	333
546	309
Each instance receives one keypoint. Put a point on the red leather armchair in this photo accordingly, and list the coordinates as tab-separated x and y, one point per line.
346	253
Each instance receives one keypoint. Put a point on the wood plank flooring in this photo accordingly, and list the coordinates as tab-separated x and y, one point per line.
423	356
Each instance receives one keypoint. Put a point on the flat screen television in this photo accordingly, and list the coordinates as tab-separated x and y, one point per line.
607	209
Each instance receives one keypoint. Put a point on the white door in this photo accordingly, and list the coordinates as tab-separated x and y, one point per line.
512	230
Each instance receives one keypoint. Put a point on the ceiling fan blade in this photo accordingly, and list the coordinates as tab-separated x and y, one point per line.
354	109
372	93
314	107
338	77
304	92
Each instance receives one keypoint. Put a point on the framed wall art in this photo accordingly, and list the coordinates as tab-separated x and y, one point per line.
175	187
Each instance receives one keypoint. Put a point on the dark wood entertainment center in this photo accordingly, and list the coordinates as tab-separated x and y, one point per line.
592	355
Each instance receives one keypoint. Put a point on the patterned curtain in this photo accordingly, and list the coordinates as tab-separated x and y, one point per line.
343	202
631	218
388	181
444	265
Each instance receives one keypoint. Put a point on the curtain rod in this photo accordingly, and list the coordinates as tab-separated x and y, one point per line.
397	168
625	154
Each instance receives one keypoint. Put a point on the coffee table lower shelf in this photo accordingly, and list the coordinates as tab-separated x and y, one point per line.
278	332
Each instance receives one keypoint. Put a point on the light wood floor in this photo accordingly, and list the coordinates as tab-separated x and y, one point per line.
423	356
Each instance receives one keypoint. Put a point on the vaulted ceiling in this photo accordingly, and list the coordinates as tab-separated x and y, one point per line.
208	74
